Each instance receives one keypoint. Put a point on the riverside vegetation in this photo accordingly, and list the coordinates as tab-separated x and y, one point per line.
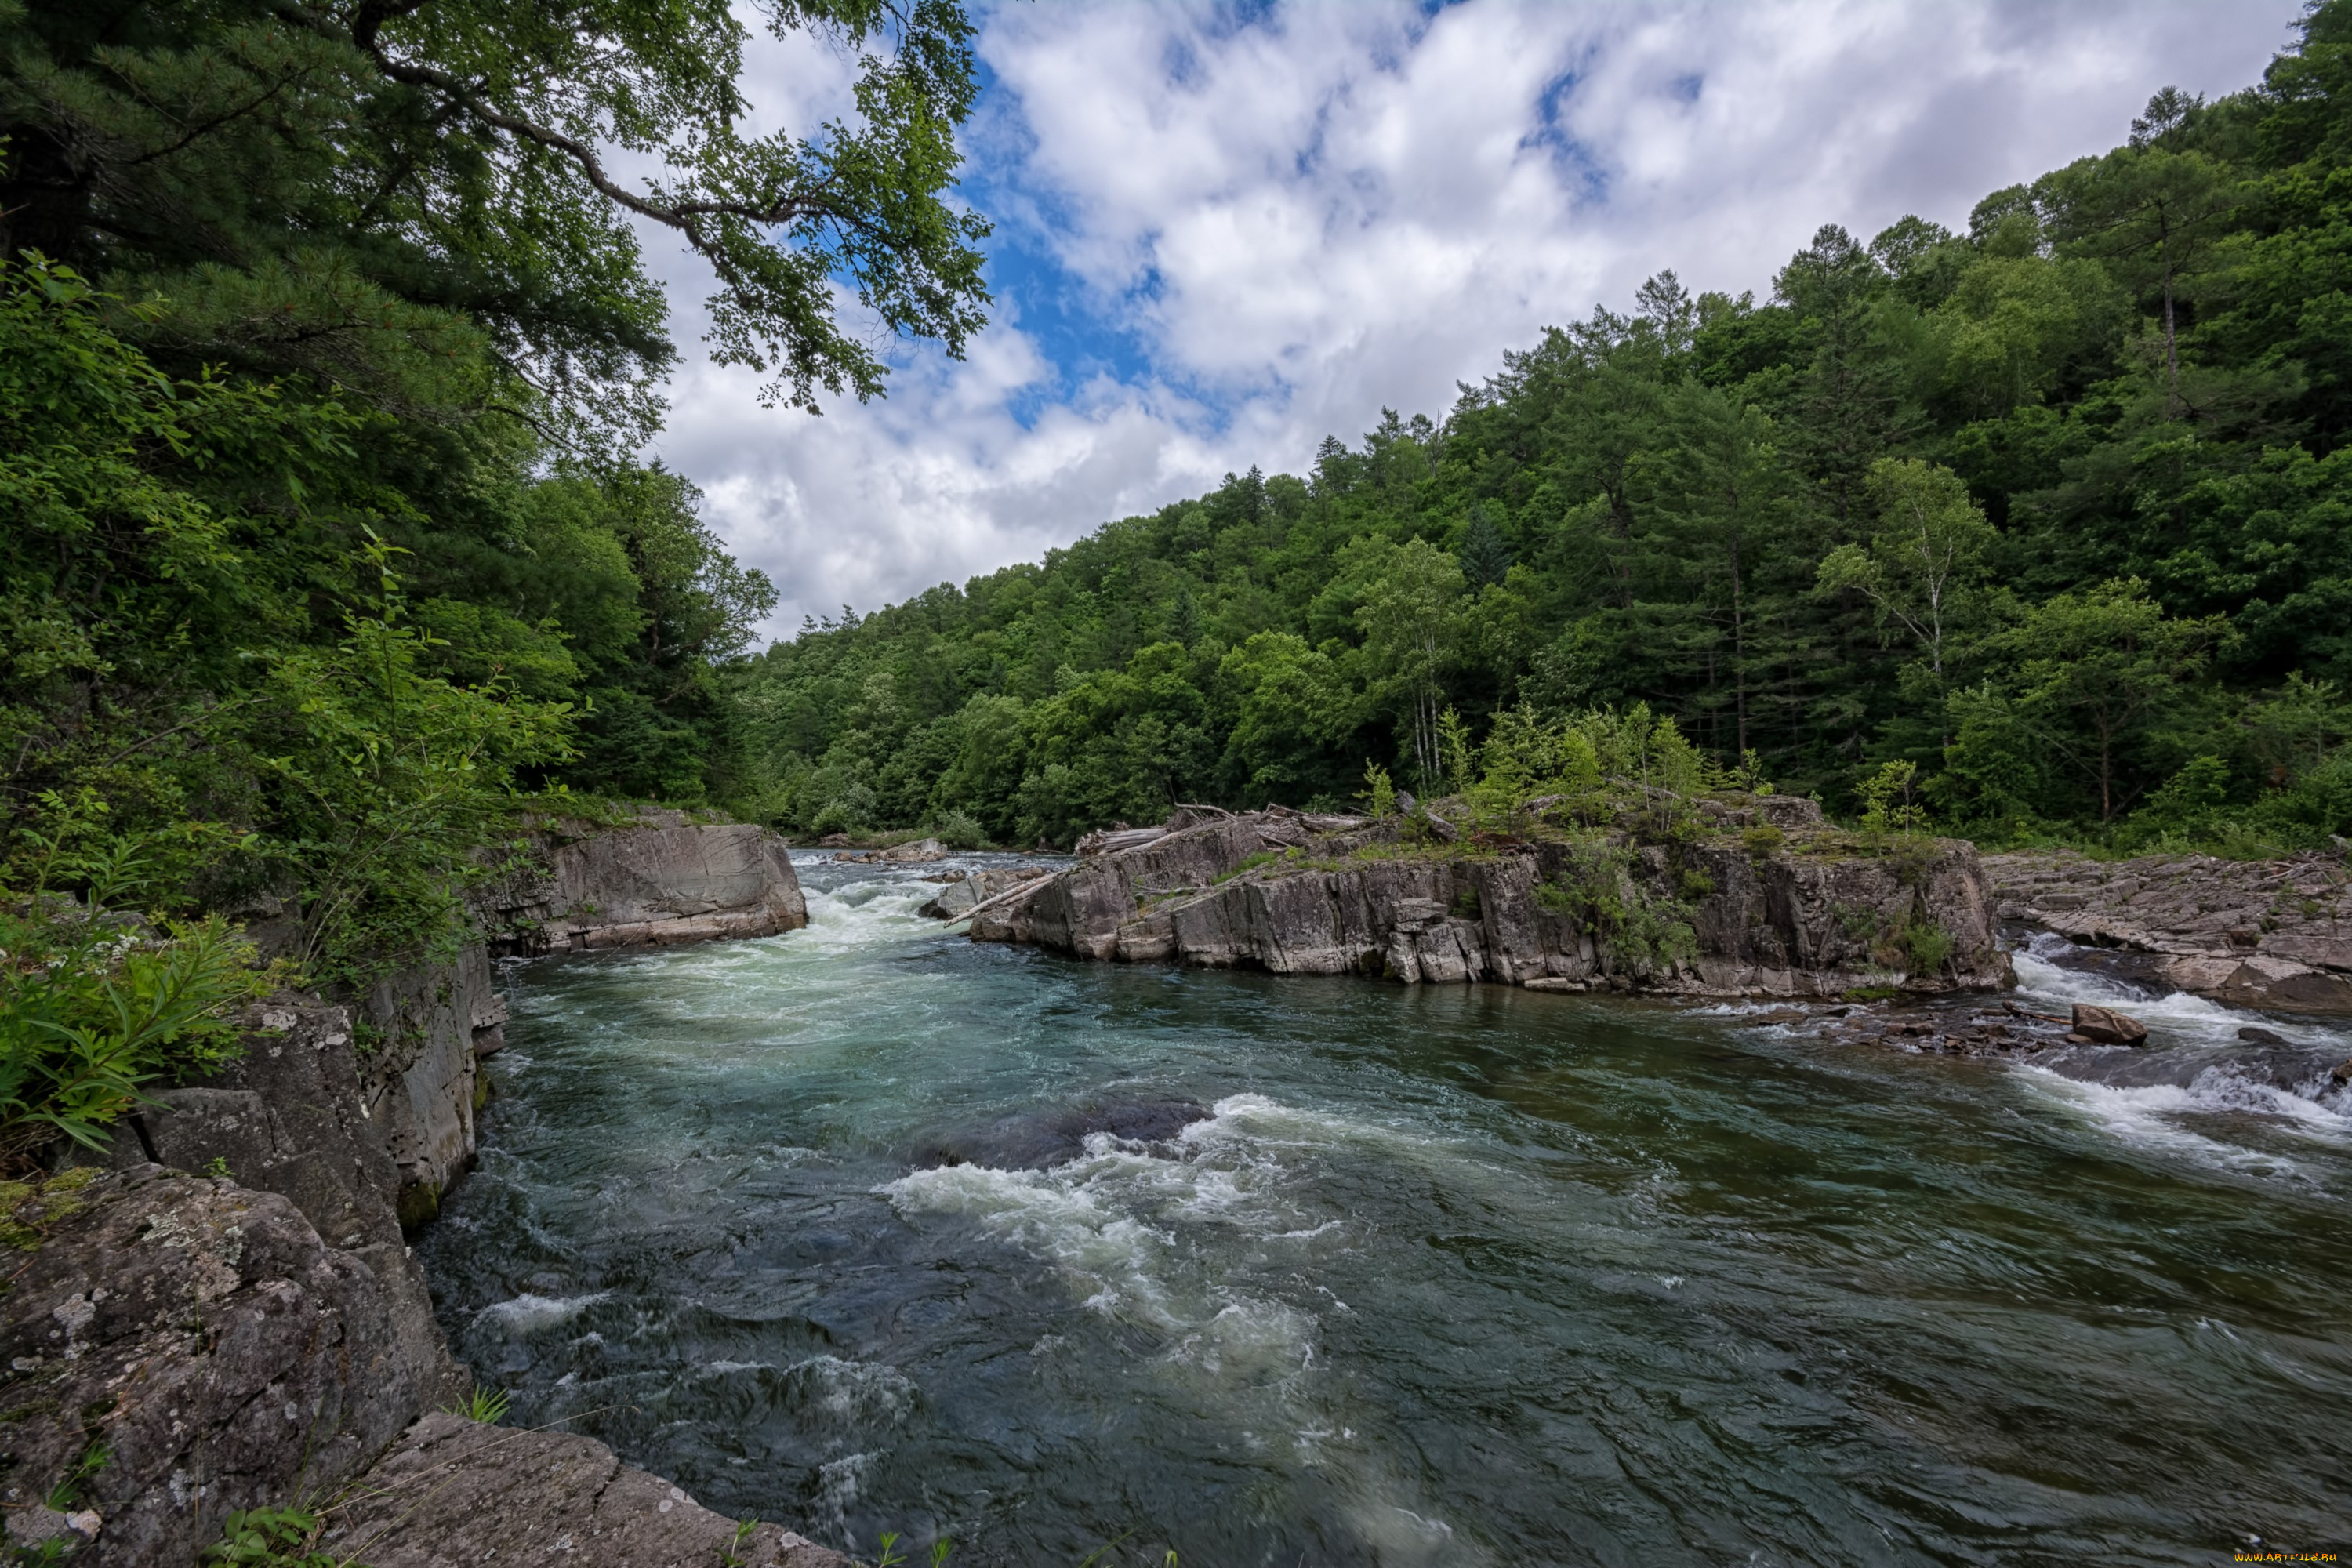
324	345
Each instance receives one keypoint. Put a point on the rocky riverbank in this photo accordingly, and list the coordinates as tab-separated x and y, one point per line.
1750	896
2273	935
180	1346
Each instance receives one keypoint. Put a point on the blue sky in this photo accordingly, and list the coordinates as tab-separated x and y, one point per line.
1225	230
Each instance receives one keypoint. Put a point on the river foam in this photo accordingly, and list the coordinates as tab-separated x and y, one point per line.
1266	1269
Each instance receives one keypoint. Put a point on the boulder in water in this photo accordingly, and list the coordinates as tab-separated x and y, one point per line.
2104	1028
1038	1140
2254	1034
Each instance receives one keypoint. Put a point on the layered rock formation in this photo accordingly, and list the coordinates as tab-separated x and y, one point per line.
1810	915
2255	934
265	1338
661	881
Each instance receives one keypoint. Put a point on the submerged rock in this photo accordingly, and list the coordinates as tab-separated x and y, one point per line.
1038	1140
2103	1027
914	854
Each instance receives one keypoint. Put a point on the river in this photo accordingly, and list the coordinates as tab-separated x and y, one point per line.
816	1225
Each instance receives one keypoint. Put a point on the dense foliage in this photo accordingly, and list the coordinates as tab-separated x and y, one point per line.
2058	511
324	343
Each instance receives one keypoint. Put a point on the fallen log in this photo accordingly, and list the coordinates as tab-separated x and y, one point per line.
1111	841
1029	887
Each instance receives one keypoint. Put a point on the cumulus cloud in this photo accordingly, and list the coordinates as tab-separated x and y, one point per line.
1223	234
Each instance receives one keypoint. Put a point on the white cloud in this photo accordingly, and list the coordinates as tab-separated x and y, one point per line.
1345	205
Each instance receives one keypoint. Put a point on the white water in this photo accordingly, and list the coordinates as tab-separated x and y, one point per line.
1442	1276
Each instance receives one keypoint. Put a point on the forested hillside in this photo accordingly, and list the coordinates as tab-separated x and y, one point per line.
2057	509
325	344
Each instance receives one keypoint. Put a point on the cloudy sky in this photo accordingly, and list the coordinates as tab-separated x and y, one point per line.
1224	231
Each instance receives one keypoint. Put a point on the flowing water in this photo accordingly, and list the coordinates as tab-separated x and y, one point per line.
867	1227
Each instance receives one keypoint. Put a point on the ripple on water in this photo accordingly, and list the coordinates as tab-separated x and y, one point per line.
1454	1276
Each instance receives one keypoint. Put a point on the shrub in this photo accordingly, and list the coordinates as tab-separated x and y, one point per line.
957	830
1637	928
93	1009
1889	800
1762	841
1928	946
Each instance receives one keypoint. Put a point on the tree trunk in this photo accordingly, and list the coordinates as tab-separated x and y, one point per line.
1739	648
2171	355
2106	775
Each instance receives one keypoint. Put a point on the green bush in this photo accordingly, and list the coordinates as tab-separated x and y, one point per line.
1637	928
96	1004
1762	841
957	830
1928	946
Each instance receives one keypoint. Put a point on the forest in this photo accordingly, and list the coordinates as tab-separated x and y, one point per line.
2053	515
326	348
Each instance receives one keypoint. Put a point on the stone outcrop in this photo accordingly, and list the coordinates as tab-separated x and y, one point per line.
362	1115
225	1357
662	881
222	1354
2255	934
340	1135
261	1339
452	1491
1814	918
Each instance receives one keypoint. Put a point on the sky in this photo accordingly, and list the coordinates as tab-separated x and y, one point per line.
1225	231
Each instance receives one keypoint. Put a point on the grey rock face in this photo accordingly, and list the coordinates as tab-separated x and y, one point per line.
454	1492
365	1144
226	1356
2256	933
420	1074
666	882
1783	925
302	1115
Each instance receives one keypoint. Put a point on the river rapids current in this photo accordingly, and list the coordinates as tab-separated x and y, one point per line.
867	1227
